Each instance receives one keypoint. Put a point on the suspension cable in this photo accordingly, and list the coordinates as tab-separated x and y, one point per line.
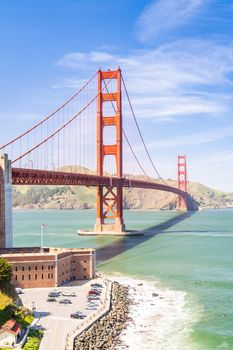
63	126
127	140
140	133
136	158
50	115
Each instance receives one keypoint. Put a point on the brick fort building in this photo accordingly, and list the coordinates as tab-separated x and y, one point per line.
49	267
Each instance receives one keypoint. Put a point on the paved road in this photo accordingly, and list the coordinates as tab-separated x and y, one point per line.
55	317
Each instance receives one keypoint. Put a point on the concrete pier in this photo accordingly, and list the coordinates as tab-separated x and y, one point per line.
111	233
6	236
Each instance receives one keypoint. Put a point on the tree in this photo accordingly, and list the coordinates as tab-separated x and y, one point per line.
5	271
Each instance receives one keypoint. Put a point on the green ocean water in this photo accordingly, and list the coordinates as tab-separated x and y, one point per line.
187	252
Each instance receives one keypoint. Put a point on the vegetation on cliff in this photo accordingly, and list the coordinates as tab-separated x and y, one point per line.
77	197
33	340
9	298
5	272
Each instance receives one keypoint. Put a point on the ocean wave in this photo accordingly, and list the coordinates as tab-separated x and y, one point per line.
162	322
203	234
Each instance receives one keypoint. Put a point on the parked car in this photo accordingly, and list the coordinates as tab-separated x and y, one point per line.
99	291
97	285
93	298
92	304
56	291
69	294
19	290
90	308
93	292
53	294
97	288
78	315
65	301
51	299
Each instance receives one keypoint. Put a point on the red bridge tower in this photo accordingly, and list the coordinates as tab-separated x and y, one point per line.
182	182
109	199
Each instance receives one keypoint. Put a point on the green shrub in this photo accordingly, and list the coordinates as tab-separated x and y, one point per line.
23	316
5	271
33	341
19	314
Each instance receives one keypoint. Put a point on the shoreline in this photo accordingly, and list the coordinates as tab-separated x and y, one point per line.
105	333
143	315
159	318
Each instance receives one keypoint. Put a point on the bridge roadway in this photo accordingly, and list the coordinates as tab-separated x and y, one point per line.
21	176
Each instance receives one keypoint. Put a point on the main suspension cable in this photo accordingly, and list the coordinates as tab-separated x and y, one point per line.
51	114
63	126
140	133
127	140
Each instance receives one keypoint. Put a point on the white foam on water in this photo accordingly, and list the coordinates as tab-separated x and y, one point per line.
203	234
161	322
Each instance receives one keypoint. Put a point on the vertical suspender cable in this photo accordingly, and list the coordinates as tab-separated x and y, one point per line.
140	133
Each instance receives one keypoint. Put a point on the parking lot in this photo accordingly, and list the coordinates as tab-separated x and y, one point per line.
55	317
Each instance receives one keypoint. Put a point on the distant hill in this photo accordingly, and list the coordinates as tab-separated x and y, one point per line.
77	197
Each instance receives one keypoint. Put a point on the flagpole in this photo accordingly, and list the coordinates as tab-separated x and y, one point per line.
42	235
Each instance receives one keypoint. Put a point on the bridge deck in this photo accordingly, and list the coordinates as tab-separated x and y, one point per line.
22	176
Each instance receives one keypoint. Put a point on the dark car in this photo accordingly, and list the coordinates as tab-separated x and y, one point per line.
53	295
90	298
65	301
78	315
98	285
51	299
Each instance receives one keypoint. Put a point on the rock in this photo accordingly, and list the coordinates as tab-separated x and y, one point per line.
104	334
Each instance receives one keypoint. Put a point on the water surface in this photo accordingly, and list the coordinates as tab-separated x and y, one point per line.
191	253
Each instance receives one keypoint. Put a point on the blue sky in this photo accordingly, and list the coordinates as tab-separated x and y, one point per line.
177	60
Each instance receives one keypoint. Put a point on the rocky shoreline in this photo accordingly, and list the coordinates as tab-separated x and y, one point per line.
104	334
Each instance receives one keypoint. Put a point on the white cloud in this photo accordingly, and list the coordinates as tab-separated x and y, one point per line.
166	107
207	136
162	15
177	79
82	60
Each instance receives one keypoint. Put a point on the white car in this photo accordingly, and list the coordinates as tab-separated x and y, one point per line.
19	290
69	294
90	308
56	291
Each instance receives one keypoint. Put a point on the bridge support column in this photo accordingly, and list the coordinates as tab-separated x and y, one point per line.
6	236
109	199
182	183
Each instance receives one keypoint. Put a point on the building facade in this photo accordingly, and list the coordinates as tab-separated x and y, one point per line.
49	267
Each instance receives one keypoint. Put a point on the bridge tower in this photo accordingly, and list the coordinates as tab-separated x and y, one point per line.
109	199
182	182
5	202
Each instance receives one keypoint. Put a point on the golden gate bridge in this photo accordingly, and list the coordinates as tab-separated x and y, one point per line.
82	143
